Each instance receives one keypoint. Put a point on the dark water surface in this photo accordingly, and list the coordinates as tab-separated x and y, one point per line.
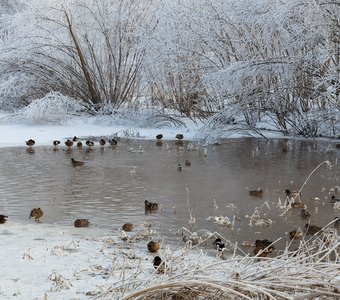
110	189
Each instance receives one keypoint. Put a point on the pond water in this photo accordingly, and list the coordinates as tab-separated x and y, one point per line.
110	189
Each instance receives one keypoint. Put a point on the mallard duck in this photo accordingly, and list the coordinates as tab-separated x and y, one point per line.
304	214
256	193
298	205
69	143
187	163
102	142
30	143
334	200
36	213
312	229
159	136
3	219
179	167
113	142
79	144
337	222
75	139
150	205
219	245
265	246
296	234
153	246
81	223
157	262
56	143
76	163
127	227
179	136
89	143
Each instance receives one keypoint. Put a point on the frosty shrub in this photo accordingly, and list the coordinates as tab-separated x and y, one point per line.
54	107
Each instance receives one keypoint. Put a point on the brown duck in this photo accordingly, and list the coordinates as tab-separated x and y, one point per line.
113	142
89	143
69	144
76	163
150	205
312	229
127	227
81	223
36	213
79	144
256	193
265	246
153	246
187	163
304	214
295	234
3	219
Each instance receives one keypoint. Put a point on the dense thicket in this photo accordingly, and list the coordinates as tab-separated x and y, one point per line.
230	61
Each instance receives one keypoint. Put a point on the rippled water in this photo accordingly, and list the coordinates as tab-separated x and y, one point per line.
110	189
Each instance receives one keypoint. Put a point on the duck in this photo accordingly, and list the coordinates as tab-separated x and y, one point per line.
36	213
187	163
75	139
113	142
295	234
150	205
159	136
334	200
179	136
102	142
304	214
219	245
30	143
157	261
337	222
79	144
298	205
265	246
3	219
127	227
81	223
256	193
179	167
89	143
312	229
56	143
76	163
69	144
153	246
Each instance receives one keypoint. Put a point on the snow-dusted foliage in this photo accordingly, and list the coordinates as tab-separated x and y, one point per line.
268	59
54	107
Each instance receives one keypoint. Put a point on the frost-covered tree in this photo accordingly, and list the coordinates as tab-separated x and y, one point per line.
89	50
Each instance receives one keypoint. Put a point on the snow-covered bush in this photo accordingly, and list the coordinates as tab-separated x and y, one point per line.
54	107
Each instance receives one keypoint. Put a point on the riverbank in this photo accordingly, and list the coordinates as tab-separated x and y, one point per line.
42	261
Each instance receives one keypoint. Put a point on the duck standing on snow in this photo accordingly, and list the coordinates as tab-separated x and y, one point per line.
113	142
89	144
127	227
153	246
36	213
69	144
3	219
30	143
159	136
219	245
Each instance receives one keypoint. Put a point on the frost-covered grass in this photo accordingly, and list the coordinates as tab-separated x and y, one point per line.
42	261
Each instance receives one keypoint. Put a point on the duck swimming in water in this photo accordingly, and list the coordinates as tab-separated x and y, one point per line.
36	213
